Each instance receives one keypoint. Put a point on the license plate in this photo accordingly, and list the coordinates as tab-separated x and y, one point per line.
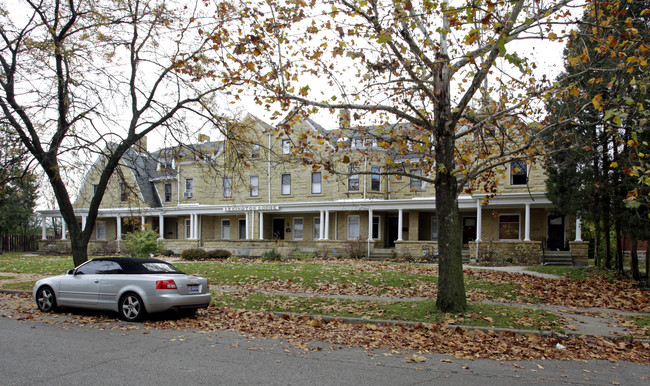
193	288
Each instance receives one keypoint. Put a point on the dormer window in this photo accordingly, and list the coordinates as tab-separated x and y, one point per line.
286	146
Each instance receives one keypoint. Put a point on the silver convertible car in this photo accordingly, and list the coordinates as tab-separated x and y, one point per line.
130	286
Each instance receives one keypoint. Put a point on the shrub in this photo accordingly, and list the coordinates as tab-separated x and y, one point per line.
142	243
167	253
271	255
193	254
527	253
217	254
355	249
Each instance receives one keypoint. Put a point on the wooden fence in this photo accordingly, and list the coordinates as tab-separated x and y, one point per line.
18	243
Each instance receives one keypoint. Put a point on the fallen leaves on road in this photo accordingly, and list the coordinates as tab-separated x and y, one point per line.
303	331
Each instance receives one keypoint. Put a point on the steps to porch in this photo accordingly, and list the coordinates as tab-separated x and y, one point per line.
557	258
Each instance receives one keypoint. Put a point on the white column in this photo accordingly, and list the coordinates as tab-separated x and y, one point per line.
252	225
84	218
578	228
261	235
246	213
63	237
326	227
44	228
369	224
321	231
161	226
119	227
142	222
479	220
399	226
527	229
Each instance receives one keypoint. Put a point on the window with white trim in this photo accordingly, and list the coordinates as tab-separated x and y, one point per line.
254	186
376	222
298	228
286	184
255	151
168	192
227	187
188	228
434	228
416	183
100	230
316	183
353	179
189	187
375	179
518	172
316	228
286	146
354	227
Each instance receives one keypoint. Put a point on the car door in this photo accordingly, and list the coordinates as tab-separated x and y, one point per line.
81	289
114	278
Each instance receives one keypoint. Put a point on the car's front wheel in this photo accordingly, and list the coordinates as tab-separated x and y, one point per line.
131	308
45	299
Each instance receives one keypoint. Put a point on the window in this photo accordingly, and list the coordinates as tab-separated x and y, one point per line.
375	179
255	151
353	179
227	187
100	230
254	186
353	228
316	228
416	183
168	192
286	146
375	227
518	173
90	268
286	184
316	180
189	187
124	191
298	226
225	229
509	227
188	228
434	228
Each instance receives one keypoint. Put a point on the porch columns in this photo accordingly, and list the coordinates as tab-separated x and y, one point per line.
43	228
195	228
252	225
63	237
399	226
161	226
83	222
327	225
142	223
527	229
261	235
369	224
119	227
321	231
479	220
247	225
578	228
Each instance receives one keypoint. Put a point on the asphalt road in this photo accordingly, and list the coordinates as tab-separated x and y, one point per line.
37	353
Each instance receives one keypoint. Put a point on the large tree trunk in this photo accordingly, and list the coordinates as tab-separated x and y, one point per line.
451	287
634	260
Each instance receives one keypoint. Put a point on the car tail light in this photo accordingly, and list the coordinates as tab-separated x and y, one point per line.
165	284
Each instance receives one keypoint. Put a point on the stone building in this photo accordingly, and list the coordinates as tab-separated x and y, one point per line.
257	191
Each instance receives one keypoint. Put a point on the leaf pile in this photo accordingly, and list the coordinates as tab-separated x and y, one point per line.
302	331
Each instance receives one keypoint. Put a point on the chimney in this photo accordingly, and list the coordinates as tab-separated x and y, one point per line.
344	119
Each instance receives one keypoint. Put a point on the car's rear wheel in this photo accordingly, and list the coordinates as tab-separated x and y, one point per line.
45	299
131	308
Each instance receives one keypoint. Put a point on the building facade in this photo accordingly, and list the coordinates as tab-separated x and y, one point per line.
260	191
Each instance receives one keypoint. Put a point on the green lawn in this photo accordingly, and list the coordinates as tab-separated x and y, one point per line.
25	263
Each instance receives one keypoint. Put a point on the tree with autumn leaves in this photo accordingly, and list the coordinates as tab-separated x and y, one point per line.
598	158
445	82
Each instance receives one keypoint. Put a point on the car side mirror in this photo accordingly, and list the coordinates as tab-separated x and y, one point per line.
71	272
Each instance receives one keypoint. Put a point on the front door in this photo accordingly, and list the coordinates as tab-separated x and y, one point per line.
469	230
393	231
278	229
556	233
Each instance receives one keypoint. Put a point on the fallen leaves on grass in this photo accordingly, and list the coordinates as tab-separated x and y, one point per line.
302	331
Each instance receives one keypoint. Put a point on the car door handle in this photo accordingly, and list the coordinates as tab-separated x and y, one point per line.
96	281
